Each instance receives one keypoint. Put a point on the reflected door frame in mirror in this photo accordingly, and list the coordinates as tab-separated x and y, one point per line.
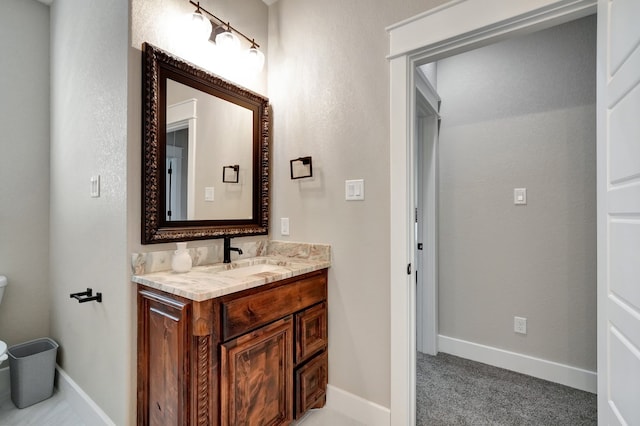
157	67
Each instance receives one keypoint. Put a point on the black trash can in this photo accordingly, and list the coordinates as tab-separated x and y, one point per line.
32	367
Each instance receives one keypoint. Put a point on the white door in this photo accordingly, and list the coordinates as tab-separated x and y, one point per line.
619	212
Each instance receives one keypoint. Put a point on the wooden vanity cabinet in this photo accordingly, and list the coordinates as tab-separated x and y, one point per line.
256	357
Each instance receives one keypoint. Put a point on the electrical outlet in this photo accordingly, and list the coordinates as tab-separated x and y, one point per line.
520	325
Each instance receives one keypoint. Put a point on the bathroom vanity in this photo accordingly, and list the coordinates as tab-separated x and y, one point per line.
241	343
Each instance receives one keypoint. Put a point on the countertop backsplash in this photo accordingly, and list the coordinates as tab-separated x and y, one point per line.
157	261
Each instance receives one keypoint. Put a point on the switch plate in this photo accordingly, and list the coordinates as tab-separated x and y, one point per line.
284	226
520	325
519	196
209	193
95	186
354	190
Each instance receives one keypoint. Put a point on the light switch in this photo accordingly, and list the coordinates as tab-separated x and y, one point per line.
209	193
95	186
354	190
519	196
284	226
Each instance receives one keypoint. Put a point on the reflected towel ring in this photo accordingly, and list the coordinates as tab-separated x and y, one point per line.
230	174
301	168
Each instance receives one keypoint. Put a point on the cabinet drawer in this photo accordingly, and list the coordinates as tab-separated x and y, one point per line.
311	384
311	331
247	313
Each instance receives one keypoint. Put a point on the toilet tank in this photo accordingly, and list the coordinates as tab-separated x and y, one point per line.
3	285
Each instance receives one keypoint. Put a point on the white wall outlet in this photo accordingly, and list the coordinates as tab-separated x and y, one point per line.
95	186
519	196
354	190
284	226
520	325
209	193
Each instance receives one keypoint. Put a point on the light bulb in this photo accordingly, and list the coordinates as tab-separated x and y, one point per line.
254	59
201	26
228	43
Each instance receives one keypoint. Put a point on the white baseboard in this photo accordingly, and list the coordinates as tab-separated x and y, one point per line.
5	383
357	408
79	401
548	370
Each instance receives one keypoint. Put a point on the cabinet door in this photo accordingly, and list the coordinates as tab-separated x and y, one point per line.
163	360
257	376
311	331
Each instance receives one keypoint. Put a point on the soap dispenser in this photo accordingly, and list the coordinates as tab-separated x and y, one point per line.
181	261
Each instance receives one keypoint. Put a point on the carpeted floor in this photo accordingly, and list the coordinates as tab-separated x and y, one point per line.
456	391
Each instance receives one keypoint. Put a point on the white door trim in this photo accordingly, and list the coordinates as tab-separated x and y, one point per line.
427	104
458	26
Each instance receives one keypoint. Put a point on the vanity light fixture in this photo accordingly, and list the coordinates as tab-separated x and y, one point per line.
226	39
301	168
230	174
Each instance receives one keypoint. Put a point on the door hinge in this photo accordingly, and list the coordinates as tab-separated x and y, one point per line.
420	246
409	269
416	215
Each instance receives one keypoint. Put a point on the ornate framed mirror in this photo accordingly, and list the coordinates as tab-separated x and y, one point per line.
194	124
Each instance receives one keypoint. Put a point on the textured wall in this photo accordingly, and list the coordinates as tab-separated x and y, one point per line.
329	86
24	170
521	113
88	245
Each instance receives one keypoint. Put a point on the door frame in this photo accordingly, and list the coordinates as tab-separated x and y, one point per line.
455	27
426	169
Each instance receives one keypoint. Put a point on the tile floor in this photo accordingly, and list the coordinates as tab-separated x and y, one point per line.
55	411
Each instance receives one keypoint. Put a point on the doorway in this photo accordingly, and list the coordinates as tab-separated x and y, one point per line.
417	41
500	259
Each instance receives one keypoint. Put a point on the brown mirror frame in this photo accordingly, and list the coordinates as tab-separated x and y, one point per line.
157	66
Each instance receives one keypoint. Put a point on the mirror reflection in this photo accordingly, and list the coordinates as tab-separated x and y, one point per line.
204	134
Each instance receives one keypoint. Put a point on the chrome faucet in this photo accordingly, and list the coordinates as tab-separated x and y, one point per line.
228	249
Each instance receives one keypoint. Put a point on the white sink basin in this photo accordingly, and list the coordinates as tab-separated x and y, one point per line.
245	271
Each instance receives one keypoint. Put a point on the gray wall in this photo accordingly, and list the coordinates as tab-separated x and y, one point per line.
88	247
24	170
521	113
329	86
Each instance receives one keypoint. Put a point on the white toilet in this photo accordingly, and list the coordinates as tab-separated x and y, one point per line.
3	345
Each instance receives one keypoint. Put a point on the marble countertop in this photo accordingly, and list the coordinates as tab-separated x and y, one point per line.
211	281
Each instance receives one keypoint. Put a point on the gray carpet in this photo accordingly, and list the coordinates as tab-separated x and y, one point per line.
456	391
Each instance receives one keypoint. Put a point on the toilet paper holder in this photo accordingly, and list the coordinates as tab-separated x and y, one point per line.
86	296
